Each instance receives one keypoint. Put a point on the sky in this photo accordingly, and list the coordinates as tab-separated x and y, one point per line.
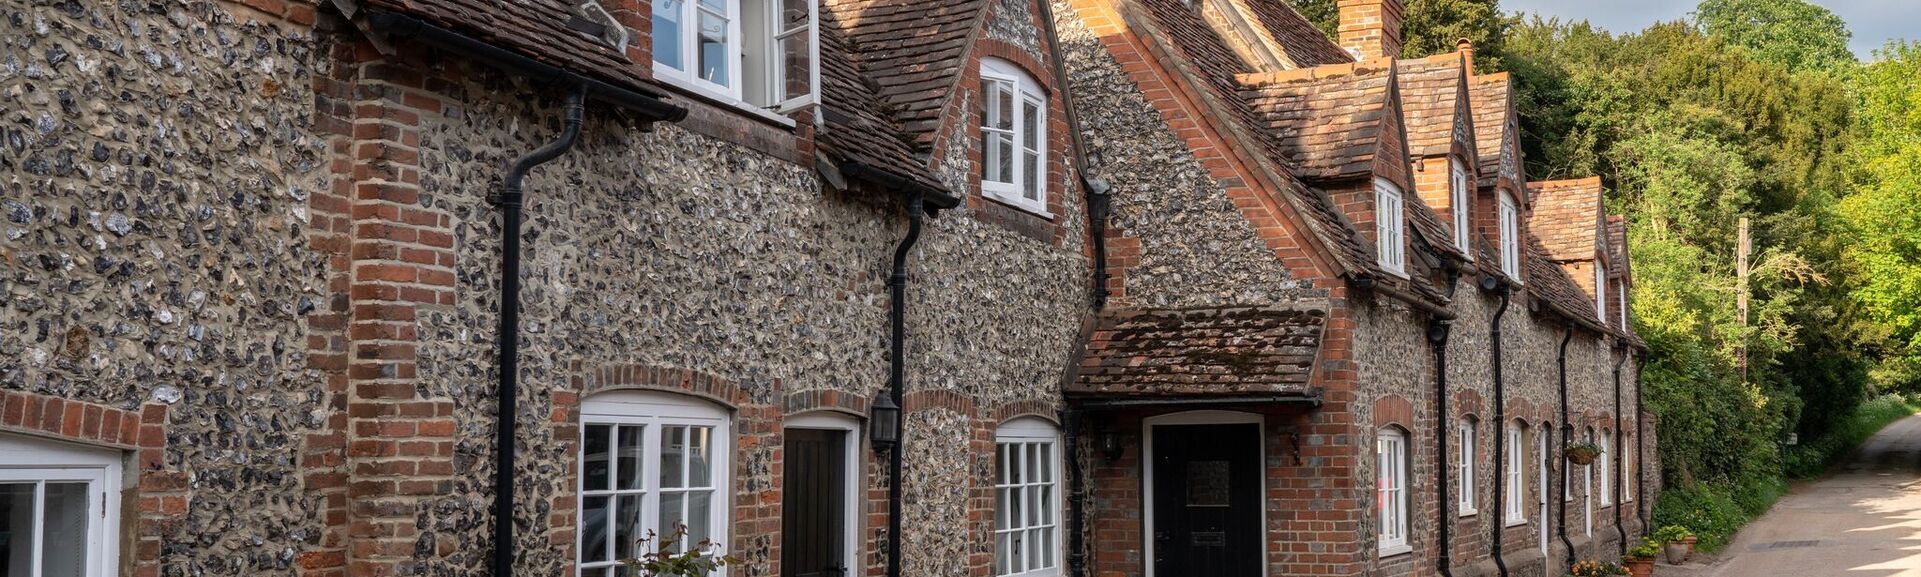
1874	22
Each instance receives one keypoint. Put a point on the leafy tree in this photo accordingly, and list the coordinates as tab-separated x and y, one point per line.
1432	26
1882	214
1793	33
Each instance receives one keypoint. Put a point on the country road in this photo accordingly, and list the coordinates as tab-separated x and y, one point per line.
1862	521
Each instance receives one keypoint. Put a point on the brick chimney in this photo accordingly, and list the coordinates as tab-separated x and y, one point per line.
1371	29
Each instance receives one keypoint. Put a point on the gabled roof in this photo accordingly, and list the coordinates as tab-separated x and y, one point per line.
1432	92
1617	232
1304	44
1203	351
855	128
913	50
1491	99
1568	217
1327	121
535	28
1550	283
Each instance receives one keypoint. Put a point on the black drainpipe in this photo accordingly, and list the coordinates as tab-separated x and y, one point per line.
1076	488
1617	448
1640	452
1437	331
896	367
1500	416
509	361
1567	429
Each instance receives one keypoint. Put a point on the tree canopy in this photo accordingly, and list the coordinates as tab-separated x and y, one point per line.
1796	34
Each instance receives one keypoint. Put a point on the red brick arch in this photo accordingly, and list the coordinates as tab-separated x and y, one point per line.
1031	408
659	378
1394	410
838	401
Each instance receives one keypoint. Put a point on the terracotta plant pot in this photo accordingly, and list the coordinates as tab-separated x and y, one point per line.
1640	566
1675	552
1689	541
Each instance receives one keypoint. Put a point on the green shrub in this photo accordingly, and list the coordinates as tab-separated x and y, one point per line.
1715	511
1814	456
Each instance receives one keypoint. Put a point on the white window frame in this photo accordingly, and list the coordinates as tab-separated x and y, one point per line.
1467	434
653	410
998	74
1390	227
1587	493
1607	471
40	461
1544	460
732	89
1627	469
1022	433
1390	448
1516	477
1458	189
1510	221
1600	291
1624	306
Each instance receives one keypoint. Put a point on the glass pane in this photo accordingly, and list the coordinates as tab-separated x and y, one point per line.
715	6
1015	470
713	48
63	551
1016	509
595	464
1004	100
673	450
1033	506
1006	144
16	527
1047	547
990	113
1031	189
628	448
593	527
796	64
667	33
672	517
627	531
1047	463
1030	124
1000	464
793	14
700	519
1046	504
1016	558
1003	549
1001	512
699	465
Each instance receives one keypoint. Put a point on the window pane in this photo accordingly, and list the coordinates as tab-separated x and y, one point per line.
1016	558
1031	188
1030	124
667	32
1006	144
793	14
1004	100
1046	504
628	447
16	521
672	516
1000	464
713	46
796	64
63	550
991	163
627	531
699	464
1047	462
700	519
1003	547
673	451
593	523
595	462
1001	512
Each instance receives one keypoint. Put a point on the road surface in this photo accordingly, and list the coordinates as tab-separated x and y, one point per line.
1862	521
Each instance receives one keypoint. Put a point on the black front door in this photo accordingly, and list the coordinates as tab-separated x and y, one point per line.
813	518
1207	501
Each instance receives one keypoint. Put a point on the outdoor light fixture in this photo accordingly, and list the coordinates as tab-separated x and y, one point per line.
883	425
1111	446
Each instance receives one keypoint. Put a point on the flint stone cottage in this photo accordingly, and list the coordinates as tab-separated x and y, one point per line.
952	288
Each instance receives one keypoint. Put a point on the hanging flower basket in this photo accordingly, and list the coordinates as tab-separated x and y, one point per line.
1583	453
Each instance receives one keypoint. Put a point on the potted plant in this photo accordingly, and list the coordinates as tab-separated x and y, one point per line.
1583	452
1677	541
1640	559
666	560
1596	569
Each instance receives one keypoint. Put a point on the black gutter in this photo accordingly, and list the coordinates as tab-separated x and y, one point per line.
1506	293
647	103
505	394
1370	284
1096	190
1076	491
1567	429
1640	453
1437	332
1617	448
896	367
930	197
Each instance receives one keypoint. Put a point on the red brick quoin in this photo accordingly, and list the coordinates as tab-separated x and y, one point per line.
159	502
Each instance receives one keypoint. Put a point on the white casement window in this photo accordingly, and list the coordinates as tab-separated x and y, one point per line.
1390	225
1013	136
1516	497
1027	512
1587	493
1510	236
1391	493
1543	458
1459	190
1600	291
650	462
1607	470
1624	306
1627	468
61	506
758	53
1465	467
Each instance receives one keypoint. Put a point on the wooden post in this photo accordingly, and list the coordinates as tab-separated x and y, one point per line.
1743	245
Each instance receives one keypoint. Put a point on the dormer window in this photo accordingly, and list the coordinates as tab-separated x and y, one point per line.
751	53
1013	136
1510	236
1390	227
1458	190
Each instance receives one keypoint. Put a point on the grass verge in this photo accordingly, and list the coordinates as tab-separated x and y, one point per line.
1811	458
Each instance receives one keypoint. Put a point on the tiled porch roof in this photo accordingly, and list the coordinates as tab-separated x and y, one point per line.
535	28
856	128
1430	100
1200	351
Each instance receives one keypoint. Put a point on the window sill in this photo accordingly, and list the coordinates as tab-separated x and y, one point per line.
1014	201
1517	522
1396	551
670	77
1468	513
